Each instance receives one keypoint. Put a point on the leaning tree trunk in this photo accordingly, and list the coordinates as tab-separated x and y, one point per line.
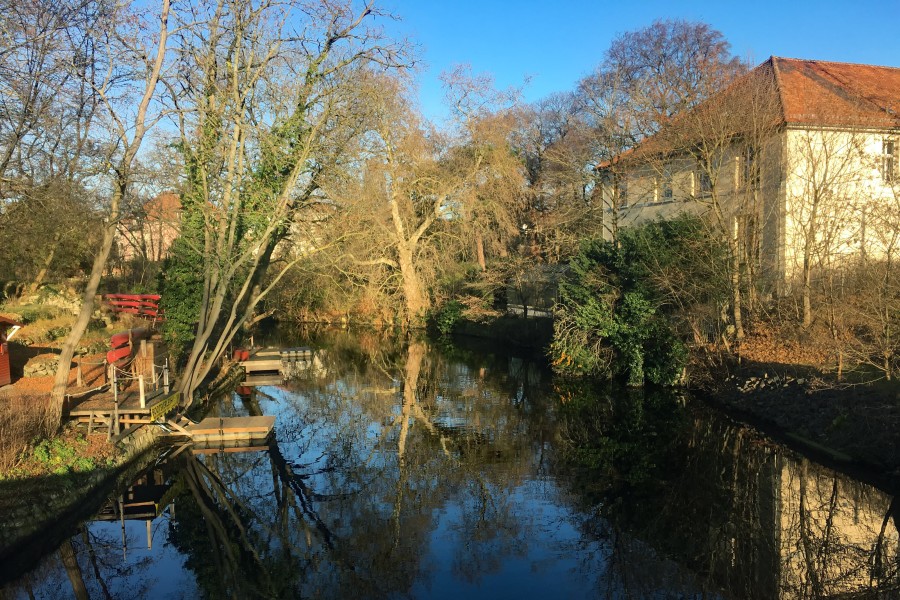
67	351
45	265
123	177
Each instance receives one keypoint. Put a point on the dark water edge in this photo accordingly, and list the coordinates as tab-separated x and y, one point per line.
503	482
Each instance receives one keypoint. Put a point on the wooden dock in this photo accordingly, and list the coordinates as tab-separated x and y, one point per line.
247	430
277	360
103	414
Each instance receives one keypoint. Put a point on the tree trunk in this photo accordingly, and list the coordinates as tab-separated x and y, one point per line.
73	570
123	172
57	396
479	251
807	293
45	266
808	246
416	303
414	355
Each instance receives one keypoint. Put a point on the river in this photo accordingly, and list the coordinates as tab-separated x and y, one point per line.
421	469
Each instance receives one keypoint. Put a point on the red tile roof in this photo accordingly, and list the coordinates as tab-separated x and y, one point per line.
809	93
166	207
817	92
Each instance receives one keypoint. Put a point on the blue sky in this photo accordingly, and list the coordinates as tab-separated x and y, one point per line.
558	42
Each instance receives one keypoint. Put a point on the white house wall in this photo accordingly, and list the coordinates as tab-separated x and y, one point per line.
842	170
793	164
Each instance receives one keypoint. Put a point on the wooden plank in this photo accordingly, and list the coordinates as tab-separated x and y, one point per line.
118	438
254	365
229	430
262	379
217	449
266	352
223	426
155	297
233	438
178	427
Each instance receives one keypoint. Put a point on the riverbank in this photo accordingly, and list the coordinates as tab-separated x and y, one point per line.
34	506
775	384
856	425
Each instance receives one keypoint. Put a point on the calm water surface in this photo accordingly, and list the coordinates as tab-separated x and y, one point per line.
409	469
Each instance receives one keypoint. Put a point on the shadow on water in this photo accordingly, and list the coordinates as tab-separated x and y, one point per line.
402	468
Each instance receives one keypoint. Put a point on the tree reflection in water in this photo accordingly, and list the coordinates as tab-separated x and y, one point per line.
406	470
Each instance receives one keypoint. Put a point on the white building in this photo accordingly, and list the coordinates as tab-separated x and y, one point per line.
798	158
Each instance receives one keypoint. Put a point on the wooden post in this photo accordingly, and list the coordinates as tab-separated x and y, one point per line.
112	417
79	381
166	377
153	381
141	390
149	534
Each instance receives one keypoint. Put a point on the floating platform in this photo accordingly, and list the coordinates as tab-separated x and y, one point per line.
276	360
226	447
231	429
258	379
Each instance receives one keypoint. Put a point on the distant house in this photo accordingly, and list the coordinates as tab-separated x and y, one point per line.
801	155
149	232
8	328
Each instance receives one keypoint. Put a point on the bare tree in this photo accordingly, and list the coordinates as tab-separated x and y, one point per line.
825	169
554	139
648	76
428	198
728	147
128	125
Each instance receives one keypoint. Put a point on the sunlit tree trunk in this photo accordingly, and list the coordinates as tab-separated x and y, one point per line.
123	179
479	252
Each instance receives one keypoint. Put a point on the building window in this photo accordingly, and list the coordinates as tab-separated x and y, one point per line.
889	161
702	184
665	190
748	175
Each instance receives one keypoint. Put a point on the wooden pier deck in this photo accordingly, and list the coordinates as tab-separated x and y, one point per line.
231	429
275	360
102	414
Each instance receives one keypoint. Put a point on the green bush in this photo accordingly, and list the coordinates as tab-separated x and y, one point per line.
61	457
618	304
32	313
446	318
